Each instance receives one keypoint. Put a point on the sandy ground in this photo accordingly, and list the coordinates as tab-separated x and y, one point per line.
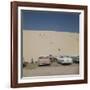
54	69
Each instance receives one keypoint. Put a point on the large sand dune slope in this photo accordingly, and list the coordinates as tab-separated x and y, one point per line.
38	43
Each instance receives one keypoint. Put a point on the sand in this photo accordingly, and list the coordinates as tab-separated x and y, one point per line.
44	43
52	70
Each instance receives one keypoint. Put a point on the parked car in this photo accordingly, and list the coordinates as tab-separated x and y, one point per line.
64	60
44	61
75	59
52	58
25	64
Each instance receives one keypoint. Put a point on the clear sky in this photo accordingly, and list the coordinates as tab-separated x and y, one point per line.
50	21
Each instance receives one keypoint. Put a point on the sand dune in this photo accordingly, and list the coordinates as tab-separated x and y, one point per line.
38	43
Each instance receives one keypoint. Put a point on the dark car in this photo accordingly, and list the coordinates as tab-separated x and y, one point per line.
52	58
75	59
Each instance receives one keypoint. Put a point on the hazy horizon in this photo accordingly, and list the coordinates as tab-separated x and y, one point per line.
44	30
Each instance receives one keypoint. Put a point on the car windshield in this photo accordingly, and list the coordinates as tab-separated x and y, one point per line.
61	56
43	57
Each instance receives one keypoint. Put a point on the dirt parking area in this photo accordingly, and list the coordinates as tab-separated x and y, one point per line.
54	69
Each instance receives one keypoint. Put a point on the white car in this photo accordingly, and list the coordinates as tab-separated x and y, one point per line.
44	61
64	60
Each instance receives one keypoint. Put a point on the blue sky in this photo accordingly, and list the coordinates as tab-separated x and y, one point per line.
50	21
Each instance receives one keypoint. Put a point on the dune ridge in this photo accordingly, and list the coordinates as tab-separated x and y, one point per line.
43	43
